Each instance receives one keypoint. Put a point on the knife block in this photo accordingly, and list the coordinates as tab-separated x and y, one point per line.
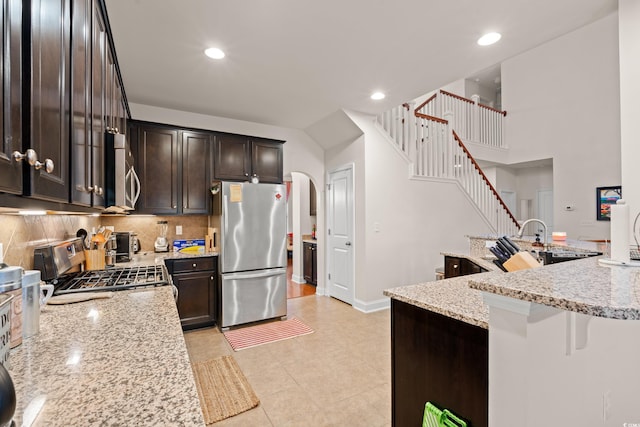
94	259
521	261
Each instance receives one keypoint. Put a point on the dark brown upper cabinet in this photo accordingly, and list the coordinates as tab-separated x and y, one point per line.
175	170
88	51
312	199
196	172
48	35
11	104
157	157
240	158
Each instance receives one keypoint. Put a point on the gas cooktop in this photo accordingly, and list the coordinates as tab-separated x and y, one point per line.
111	279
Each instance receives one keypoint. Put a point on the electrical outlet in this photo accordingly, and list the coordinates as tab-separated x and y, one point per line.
376	227
178	230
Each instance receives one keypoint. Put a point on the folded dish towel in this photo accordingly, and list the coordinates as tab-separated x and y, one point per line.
79	297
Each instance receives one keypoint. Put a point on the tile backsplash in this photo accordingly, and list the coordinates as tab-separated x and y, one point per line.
193	227
20	234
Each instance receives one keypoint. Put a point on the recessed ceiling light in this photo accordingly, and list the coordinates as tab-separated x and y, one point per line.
377	96
489	38
214	52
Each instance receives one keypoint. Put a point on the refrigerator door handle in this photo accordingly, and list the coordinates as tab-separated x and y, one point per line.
255	274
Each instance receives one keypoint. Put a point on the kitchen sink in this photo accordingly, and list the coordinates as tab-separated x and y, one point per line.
562	255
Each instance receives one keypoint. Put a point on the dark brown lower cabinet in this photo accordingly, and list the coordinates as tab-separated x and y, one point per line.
437	359
310	263
454	267
195	279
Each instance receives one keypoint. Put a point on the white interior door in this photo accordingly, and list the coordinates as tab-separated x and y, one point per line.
545	210
340	235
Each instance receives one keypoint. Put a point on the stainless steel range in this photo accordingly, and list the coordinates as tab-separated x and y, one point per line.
60	265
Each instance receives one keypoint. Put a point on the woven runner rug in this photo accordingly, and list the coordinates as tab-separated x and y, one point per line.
253	336
223	389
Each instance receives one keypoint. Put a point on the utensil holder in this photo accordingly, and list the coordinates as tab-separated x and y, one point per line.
94	259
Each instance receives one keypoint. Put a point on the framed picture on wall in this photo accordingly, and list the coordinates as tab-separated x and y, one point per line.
605	197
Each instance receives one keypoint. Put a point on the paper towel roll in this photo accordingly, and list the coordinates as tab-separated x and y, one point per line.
620	232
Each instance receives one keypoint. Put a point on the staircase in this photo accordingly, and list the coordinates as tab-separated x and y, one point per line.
428	137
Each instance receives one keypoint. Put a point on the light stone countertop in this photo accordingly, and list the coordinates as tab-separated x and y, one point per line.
449	297
583	286
312	241
112	362
456	299
151	258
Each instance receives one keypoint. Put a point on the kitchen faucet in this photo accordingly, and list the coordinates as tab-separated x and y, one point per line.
544	227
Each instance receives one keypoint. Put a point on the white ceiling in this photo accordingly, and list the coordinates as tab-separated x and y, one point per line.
293	63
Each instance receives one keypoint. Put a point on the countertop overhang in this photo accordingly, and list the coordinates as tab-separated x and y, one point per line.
583	286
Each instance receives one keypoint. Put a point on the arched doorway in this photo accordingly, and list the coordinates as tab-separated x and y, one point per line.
302	220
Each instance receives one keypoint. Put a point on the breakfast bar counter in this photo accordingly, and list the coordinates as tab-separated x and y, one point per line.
116	361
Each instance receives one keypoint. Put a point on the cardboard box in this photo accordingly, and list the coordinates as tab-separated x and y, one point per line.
189	246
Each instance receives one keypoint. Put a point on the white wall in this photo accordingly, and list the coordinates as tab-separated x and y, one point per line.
416	219
562	100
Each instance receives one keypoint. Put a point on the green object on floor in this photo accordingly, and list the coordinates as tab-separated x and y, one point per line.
436	417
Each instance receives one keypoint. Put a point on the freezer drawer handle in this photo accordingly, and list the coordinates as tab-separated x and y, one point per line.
254	275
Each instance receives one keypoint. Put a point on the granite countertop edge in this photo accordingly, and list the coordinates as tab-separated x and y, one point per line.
587	288
450	297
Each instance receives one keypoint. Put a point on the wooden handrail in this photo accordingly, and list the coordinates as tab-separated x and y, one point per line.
453	95
435	119
477	166
426	102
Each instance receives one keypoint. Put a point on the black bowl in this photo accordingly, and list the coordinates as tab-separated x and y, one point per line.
7	397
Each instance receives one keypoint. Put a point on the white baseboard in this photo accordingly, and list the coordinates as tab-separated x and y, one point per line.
298	279
370	307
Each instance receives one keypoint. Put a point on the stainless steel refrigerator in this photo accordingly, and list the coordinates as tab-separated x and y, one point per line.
252	222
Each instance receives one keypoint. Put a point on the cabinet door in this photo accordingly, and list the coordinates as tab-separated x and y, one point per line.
196	178
314	265
470	267
312	199
196	298
98	95
307	262
452	267
266	160
81	183
11	104
232	159
157	157
50	106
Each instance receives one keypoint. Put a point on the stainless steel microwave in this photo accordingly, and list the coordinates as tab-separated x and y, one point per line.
122	186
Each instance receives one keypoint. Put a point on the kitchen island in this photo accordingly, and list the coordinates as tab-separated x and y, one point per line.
567	338
439	350
118	361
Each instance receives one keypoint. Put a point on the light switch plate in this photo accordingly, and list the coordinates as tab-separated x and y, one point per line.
178	230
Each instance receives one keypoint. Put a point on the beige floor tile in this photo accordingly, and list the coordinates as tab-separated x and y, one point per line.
340	375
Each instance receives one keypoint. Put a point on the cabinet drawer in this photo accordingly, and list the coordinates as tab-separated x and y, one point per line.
192	264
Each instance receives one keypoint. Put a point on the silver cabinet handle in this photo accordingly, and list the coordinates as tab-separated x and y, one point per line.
347	244
47	165
32	159
30	156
